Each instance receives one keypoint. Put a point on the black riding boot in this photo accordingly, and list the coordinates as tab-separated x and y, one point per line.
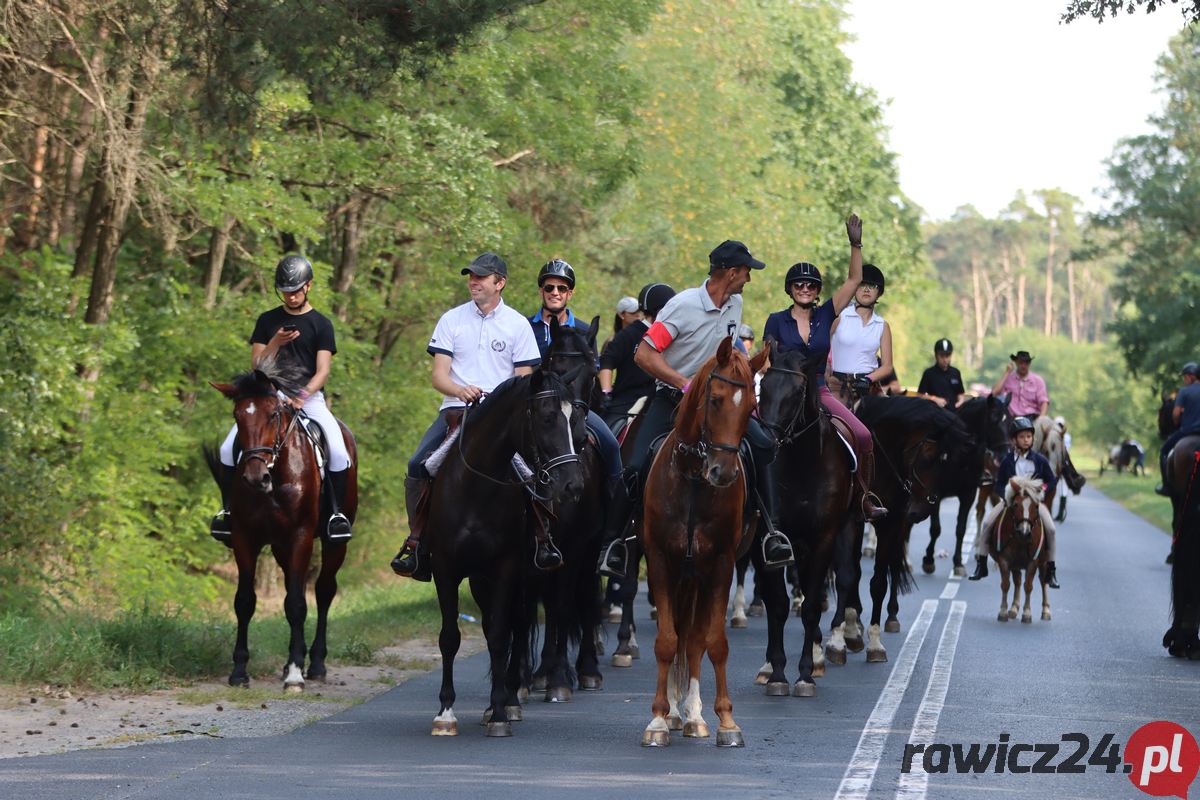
1051	575
980	568
338	529
871	508
546	555
221	529
776	549
411	562
614	553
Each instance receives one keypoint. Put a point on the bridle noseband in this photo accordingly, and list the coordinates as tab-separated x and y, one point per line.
701	447
281	437
786	434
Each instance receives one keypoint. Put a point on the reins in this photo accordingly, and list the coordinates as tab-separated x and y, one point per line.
281	437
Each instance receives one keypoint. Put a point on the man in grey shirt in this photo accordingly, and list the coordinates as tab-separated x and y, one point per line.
686	334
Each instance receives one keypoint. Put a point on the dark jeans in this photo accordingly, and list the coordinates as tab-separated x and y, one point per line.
429	442
610	451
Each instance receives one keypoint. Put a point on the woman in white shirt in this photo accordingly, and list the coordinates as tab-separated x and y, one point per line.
861	346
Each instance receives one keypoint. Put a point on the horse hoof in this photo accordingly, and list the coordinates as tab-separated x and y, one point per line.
656	738
835	655
558	694
591	683
523	694
514	713
319	677
877	656
294	688
928	566
755	610
1046	616
499	729
539	683
444	728
1027	618
868	552
1012	613
622	660
239	681
804	689
653	612
960	571
1002	616
675	723
635	651
855	644
614	615
891	626
778	689
695	729
731	738
738	622
818	670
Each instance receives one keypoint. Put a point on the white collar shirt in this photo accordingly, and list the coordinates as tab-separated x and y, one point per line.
484	349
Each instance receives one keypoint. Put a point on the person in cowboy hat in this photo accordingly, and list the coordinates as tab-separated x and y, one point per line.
1026	389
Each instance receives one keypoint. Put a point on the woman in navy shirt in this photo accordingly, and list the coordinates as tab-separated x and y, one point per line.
807	327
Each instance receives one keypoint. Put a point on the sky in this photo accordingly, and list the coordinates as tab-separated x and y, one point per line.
985	98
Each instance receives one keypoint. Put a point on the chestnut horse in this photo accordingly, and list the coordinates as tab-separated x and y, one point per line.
1020	545
276	501
694	527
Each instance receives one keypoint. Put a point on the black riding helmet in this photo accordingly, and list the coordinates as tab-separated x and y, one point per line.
653	297
1021	424
803	271
943	346
872	274
292	272
557	268
1191	368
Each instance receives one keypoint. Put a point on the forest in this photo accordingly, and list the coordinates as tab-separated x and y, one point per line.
157	157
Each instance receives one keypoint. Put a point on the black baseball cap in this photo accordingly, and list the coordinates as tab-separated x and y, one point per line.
487	264
730	254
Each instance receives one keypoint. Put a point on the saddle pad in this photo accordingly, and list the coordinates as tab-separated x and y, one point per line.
843	431
320	445
438	457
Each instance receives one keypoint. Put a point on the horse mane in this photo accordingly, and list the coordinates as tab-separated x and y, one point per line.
550	382
1029	486
915	412
282	374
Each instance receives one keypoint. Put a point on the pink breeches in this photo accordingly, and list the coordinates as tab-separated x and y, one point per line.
834	406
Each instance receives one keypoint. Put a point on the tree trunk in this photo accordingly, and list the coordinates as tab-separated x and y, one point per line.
81	147
1010	297
1072	306
57	175
1048	321
27	236
347	266
1022	271
980	320
218	246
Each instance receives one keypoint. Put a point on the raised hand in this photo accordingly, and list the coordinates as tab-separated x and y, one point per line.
854	230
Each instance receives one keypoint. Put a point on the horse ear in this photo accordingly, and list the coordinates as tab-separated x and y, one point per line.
773	348
723	352
554	327
593	331
759	361
227	389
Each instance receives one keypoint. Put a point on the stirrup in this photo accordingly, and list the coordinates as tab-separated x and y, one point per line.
783	551
1161	489
879	511
338	529
409	564
546	556
614	560
220	528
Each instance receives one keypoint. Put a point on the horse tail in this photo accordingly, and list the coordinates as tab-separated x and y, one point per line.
212	457
684	605
898	571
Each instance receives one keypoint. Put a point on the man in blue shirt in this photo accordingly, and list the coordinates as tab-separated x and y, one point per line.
1186	415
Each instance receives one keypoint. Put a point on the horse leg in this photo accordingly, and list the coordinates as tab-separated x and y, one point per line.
935	530
627	649
1003	615
704	617
558	678
775	599
810	613
1045	595
876	653
295	607
244	602
445	724
717	645
666	645
738	618
1016	601
960	530
332	557
587	663
499	639
1026	612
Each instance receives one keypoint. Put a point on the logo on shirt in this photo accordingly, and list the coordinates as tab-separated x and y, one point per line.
498	345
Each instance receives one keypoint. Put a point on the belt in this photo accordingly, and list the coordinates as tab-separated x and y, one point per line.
848	376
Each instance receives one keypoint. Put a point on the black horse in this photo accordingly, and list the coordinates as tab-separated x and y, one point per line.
813	474
987	420
477	529
1181	638
570	595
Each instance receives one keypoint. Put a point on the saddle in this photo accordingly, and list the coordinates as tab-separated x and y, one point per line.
845	433
621	426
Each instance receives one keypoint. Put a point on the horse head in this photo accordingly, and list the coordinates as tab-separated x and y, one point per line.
551	439
259	412
998	422
572	356
1024	506
715	412
789	393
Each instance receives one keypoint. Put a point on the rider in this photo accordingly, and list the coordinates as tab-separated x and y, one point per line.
1021	462
1026	390
632	383
684	336
556	283
861	341
1186	415
476	346
298	331
628	312
942	383
807	327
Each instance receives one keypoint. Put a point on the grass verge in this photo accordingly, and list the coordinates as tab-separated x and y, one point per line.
1134	493
155	648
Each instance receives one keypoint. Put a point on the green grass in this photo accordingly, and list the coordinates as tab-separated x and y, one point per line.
1134	493
155	648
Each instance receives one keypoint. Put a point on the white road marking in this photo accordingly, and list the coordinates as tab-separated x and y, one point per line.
860	773
951	590
913	784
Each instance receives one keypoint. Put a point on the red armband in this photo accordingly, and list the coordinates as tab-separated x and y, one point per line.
659	337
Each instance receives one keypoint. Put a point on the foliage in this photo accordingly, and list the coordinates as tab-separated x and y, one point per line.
1100	9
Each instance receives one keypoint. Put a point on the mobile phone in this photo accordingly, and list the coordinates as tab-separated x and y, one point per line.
289	328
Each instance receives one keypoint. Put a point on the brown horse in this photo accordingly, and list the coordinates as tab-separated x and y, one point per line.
694	527
1021	546
276	501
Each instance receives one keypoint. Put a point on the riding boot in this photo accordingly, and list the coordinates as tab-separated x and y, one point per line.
338	528
981	569
221	528
1051	575
546	556
776	549
411	561
614	553
872	509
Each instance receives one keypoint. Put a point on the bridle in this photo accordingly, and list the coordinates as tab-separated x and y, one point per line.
281	437
910	463
786	434
701	447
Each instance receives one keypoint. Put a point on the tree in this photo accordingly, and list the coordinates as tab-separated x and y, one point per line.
1100	9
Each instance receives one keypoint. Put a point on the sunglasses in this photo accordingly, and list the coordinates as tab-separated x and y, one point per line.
868	285
809	285
555	288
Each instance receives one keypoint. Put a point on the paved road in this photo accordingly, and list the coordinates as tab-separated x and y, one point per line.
955	676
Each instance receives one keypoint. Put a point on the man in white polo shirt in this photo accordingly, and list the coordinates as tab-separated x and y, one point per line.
475	347
686	334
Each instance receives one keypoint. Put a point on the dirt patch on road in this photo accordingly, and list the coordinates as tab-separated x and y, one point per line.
40	720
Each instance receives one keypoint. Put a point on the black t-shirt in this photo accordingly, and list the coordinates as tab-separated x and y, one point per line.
632	381
316	333
946	383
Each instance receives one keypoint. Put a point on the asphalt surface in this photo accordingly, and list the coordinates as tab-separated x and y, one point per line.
955	676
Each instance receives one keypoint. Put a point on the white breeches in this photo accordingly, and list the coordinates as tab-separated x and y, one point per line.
983	538
318	412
